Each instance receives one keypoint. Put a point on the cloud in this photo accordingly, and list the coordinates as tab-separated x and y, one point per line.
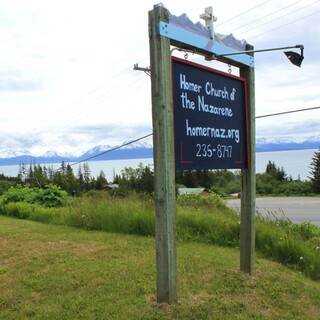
18	80
67	79
75	139
280	127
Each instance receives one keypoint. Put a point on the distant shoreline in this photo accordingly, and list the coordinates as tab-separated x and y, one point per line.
125	154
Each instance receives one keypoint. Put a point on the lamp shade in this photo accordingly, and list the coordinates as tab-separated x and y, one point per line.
294	57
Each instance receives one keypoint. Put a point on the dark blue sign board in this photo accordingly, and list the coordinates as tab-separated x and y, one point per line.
210	118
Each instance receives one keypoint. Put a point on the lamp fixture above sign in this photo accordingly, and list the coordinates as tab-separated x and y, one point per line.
294	57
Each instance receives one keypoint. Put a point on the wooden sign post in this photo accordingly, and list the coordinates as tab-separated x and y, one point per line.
164	167
248	183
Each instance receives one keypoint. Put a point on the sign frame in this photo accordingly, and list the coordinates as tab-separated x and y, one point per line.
215	134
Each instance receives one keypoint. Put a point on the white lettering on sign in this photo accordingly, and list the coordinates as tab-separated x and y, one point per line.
187	103
211	91
207	150
233	94
212	132
189	86
221	111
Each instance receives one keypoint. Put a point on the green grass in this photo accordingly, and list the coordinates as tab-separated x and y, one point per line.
205	219
58	272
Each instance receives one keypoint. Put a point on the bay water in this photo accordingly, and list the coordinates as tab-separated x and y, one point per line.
296	163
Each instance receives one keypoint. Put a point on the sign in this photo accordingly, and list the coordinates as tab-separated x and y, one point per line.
210	118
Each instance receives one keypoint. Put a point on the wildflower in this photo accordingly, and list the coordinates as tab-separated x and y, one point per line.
301	258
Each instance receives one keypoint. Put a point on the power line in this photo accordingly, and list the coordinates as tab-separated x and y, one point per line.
284	25
112	149
150	134
265	16
242	13
286	112
96	99
281	17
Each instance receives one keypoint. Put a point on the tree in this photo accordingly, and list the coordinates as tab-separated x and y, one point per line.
86	177
39	178
145	183
72	184
80	179
315	172
101	180
276	172
22	175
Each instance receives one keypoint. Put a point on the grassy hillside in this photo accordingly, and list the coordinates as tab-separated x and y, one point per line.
200	218
56	272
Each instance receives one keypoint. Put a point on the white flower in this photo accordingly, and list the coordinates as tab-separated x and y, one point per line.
301	258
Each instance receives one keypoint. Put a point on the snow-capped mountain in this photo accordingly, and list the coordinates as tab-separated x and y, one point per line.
136	145
127	150
281	144
97	149
50	154
11	153
139	150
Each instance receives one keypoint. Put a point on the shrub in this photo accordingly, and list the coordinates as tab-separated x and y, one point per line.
50	196
210	199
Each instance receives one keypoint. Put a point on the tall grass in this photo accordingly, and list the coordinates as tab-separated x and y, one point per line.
131	216
284	243
207	226
199	218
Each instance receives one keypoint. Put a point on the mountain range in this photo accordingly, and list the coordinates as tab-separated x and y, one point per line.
137	150
269	145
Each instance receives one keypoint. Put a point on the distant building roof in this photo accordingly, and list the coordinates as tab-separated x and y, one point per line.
111	186
190	190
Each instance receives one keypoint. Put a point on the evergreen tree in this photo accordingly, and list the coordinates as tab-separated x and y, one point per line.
39	178
63	167
145	182
59	177
101	180
72	184
30	173
86	177
50	174
66	180
80	179
276	172
22	172
315	172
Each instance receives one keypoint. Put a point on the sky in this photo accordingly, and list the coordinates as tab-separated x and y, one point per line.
66	69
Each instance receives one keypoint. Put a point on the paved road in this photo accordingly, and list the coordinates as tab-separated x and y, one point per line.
297	209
